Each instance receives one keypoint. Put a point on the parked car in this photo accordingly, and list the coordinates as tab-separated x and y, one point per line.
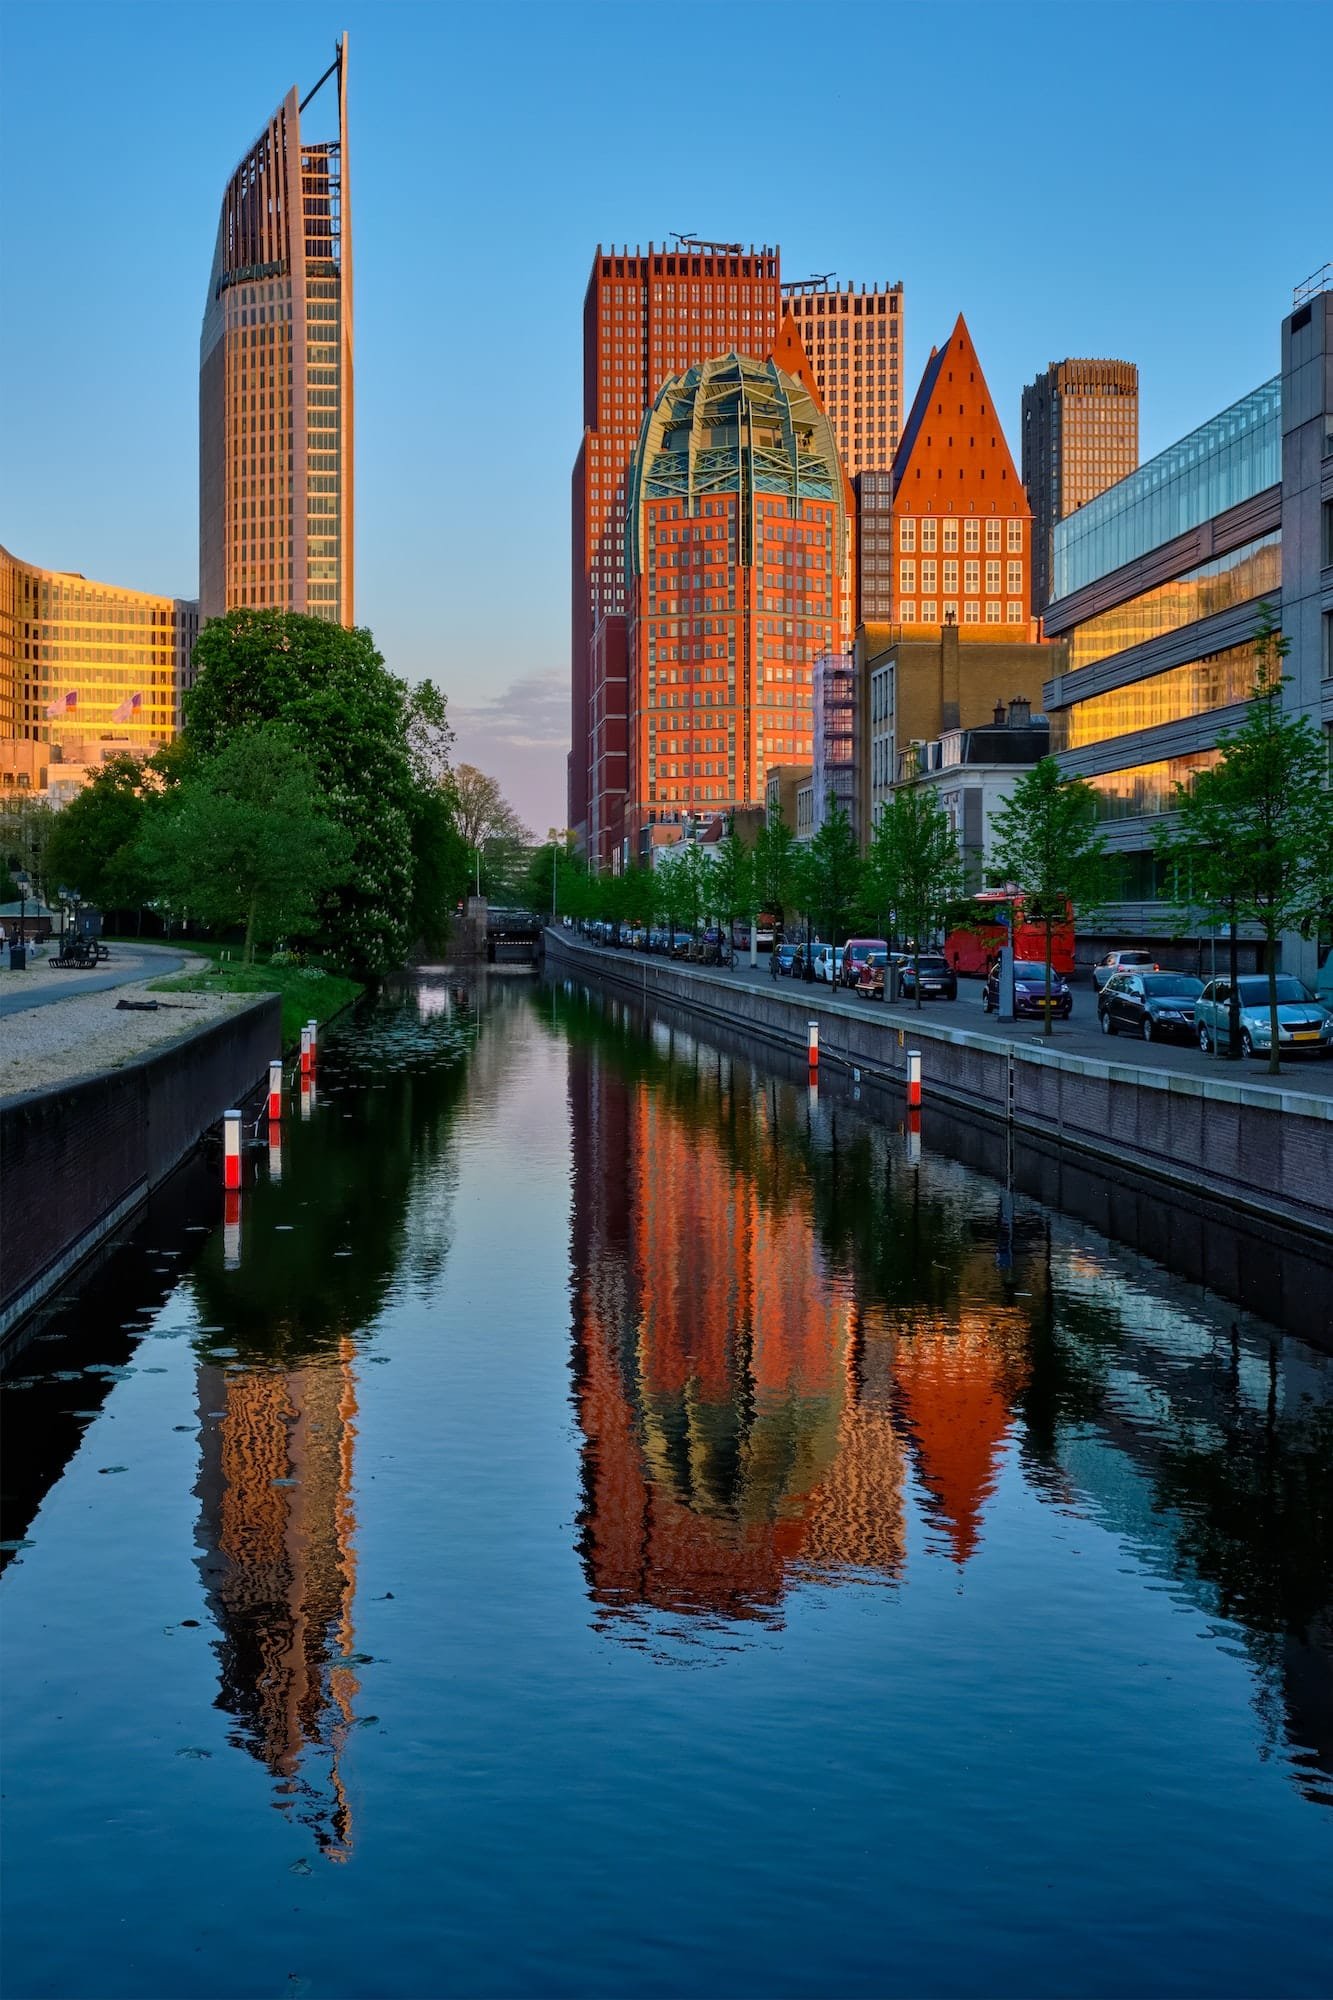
1029	990
851	959
939	981
680	944
1304	1024
870	986
1122	961
822	958
788	958
1149	1004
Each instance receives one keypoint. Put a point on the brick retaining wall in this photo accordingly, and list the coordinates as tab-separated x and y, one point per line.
77	1158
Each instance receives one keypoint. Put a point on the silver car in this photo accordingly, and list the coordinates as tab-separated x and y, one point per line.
1304	1024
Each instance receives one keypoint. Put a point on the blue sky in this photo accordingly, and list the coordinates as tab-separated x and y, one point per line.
1123	180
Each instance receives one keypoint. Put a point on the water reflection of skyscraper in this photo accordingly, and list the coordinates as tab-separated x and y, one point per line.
745	1418
276	1528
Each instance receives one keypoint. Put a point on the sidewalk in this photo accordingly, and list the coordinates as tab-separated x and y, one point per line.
40	985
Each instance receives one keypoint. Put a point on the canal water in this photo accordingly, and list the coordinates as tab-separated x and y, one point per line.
605	1519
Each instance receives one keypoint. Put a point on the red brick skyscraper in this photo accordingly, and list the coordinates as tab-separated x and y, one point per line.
647	315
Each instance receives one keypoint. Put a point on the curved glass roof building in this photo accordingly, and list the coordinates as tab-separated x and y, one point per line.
738	426
737	566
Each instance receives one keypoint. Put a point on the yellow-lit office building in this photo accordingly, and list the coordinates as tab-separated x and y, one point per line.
87	671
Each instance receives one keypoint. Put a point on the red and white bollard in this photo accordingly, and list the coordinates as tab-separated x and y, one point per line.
231	1230
307	1051
231	1149
812	1031
914	1079
307	1095
275	1091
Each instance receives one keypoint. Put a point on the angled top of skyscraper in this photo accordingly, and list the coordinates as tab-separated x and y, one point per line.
275	376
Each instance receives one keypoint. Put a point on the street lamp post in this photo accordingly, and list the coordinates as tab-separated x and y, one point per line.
24	884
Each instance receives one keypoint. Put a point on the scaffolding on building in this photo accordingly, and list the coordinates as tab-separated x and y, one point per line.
834	736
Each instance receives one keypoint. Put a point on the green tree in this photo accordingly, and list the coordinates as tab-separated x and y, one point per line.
1254	835
1047	848
26	826
93	842
917	867
776	862
733	879
334	694
243	839
832	874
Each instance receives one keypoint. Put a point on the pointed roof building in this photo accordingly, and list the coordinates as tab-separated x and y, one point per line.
962	525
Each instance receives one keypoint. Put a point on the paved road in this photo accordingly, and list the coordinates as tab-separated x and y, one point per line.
1079	1036
126	967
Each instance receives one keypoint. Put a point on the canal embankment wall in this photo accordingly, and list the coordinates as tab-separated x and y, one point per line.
1263	1151
77	1159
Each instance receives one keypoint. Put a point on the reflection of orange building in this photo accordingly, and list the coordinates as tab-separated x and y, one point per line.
956	1379
725	1440
276	1529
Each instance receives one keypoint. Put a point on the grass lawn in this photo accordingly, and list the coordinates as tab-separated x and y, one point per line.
307	995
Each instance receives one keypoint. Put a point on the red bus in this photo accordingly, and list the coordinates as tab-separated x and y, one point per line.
973	947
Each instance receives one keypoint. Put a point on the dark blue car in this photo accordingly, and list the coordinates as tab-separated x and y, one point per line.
1029	990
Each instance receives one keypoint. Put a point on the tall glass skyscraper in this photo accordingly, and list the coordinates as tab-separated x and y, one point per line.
275	376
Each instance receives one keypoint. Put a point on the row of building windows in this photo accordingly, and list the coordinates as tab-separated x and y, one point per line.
1215	681
948	575
1015	611
1146	789
1249	572
949	529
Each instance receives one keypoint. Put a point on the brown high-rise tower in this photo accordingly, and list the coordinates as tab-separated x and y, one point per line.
1080	435
275	376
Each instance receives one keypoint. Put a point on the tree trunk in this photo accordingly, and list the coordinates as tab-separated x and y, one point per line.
1274	1054
1233	999
1048	1026
248	956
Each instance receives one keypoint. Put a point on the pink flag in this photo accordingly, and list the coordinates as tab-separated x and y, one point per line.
64	704
128	707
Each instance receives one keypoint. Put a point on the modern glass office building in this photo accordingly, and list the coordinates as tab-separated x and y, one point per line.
1159	583
87	671
275	376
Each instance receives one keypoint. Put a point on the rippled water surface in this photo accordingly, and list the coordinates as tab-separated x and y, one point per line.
605	1519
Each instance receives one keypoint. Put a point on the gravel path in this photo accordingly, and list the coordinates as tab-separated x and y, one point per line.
40	986
87	1033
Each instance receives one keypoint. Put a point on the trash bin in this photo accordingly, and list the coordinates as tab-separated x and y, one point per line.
18	957
893	973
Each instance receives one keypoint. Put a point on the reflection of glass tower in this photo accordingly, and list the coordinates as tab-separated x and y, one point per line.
275	376
276	1533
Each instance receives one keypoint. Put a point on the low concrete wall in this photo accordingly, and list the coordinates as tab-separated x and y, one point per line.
78	1158
1263	1150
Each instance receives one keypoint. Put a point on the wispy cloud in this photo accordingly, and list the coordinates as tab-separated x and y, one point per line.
521	736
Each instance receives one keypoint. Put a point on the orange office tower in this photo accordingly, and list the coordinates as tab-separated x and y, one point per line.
962	525
647	315
855	343
738	538
275	376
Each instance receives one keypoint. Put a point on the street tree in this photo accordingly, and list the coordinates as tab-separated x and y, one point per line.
917	867
244	839
93	842
776	860
733	880
1254	835
26	826
831	872
1047	850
